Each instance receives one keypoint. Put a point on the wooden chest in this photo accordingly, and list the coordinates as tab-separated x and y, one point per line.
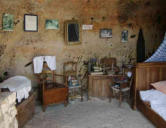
99	86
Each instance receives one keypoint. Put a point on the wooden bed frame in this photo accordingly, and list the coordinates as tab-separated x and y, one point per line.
26	110
155	118
145	74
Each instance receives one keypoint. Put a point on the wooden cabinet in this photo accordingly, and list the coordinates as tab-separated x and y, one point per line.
99	86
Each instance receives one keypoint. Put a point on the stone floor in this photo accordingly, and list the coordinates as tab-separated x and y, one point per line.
89	114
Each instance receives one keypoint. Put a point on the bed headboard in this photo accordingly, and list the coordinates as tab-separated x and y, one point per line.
146	73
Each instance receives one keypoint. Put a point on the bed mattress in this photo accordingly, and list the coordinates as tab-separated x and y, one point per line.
157	101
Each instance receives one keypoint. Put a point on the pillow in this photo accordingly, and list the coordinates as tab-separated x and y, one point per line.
161	86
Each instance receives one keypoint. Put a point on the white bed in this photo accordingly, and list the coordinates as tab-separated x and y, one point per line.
157	101
19	84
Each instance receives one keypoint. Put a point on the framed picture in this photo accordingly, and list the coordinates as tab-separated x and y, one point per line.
30	23
105	33
7	22
124	37
52	24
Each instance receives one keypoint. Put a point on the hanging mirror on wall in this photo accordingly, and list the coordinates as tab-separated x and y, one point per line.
72	32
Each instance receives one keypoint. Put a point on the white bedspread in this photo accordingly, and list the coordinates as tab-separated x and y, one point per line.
160	109
157	101
19	84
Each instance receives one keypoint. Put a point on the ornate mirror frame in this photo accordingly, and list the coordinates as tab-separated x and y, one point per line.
73	21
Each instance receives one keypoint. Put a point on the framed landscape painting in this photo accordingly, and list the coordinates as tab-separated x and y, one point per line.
52	24
7	22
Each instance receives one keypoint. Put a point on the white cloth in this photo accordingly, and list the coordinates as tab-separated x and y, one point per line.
19	84
51	62
38	64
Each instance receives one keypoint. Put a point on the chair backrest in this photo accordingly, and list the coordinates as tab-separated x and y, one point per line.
47	74
131	81
70	68
108	61
118	80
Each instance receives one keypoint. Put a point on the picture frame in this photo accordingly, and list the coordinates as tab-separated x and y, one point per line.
105	33
124	36
52	24
7	22
30	23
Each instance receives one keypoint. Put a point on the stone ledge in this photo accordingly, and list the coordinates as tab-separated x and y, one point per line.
8	110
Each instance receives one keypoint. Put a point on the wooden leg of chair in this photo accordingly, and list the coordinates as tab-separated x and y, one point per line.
88	95
120	99
65	103
44	108
81	95
72	93
128	99
111	95
110	99
67	99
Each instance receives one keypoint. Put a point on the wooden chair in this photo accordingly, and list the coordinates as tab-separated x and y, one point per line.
70	71
108	61
111	63
121	88
52	91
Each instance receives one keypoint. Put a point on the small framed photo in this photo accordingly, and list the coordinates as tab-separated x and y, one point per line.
7	22
52	24
30	23
105	33
124	37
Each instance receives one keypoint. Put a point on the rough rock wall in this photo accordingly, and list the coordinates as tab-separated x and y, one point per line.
18	47
8	110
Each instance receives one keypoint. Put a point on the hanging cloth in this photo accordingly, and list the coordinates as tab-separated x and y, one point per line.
140	47
38	63
51	62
